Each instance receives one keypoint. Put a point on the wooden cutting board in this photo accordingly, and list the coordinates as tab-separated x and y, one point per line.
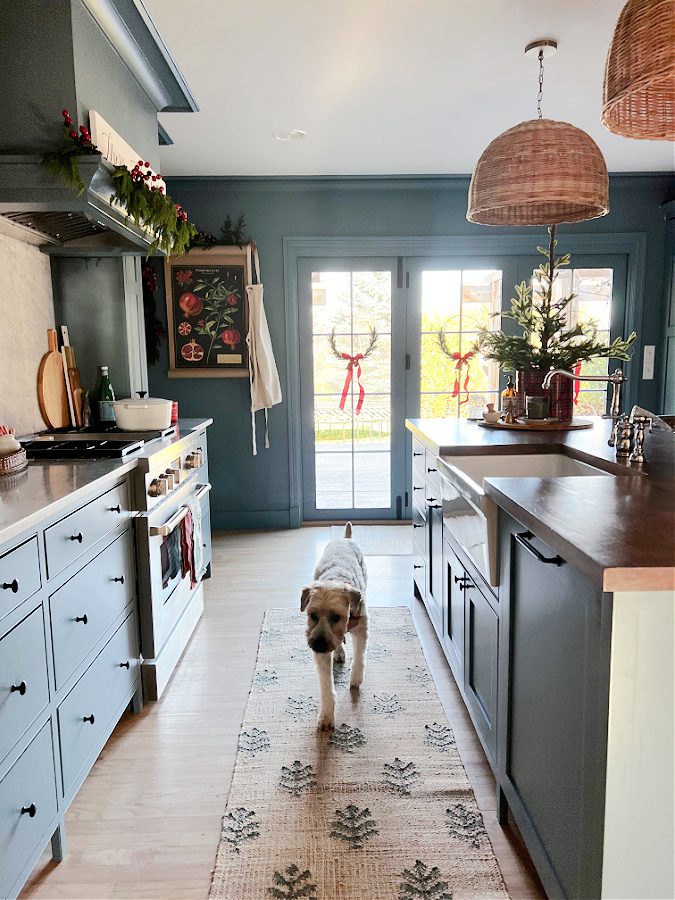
539	425
51	386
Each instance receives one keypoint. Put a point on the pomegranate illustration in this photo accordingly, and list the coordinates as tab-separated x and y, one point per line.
192	351
232	300
184	328
191	304
230	337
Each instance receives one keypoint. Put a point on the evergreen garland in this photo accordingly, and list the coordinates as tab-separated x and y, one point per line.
547	342
232	234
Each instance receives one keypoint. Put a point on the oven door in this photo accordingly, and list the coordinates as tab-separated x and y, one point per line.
164	592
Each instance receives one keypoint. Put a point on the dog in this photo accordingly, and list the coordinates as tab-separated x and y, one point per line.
335	603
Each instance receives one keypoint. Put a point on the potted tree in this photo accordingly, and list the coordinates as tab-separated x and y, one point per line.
548	340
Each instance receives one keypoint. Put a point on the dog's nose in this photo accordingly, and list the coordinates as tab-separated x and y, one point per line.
319	645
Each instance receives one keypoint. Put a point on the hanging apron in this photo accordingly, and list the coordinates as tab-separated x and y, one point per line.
262	368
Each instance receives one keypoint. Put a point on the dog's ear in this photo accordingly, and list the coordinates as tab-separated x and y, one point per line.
304	598
354	600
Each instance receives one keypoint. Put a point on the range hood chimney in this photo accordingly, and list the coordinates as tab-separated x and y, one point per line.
82	55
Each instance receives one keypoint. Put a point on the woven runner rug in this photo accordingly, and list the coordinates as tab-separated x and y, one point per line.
379	809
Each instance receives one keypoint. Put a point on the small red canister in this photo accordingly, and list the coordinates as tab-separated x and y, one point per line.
174	412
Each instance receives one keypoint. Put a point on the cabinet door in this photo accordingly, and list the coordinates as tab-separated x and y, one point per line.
554	751
481	636
434	599
453	611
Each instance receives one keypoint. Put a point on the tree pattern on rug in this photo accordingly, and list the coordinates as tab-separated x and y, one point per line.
400	777
292	884
297	778
420	881
239	826
386	705
419	675
467	823
353	825
299	708
438	736
265	678
347	739
253	741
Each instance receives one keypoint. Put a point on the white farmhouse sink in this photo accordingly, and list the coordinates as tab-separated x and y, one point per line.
471	516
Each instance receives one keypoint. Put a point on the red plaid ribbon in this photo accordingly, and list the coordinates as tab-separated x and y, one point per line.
353	361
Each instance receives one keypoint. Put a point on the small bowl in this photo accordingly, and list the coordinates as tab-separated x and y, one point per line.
492	417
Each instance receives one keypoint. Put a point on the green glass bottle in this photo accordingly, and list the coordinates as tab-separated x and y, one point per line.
105	397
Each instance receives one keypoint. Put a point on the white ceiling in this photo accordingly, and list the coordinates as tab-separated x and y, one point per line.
381	87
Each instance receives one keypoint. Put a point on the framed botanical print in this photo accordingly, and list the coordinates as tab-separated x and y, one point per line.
207	313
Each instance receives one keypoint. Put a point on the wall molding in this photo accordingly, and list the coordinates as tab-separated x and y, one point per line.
633	245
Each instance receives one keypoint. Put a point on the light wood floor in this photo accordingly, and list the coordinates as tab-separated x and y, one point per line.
146	822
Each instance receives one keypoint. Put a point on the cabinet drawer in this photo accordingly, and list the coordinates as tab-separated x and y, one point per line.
481	639
97	695
418	456
419	575
24	689
419	493
432	478
19	575
86	606
419	527
69	538
29	785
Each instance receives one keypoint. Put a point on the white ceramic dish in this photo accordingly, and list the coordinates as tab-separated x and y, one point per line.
147	414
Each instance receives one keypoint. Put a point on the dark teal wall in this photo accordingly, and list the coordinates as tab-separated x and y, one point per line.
254	492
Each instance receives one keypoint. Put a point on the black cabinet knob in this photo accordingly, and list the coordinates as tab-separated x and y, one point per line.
89	719
18	688
431	470
77	537
120	579
82	619
418	488
417	567
12	586
124	665
31	810
417	454
417	525
117	509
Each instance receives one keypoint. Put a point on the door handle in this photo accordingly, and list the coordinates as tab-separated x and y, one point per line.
524	540
175	520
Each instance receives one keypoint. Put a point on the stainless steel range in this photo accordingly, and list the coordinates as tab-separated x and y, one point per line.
170	482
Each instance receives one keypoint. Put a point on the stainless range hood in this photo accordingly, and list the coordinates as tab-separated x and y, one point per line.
33	198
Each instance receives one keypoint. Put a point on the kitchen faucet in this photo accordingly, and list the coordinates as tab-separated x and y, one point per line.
616	379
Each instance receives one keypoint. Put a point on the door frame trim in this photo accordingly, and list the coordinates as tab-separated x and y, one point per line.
632	244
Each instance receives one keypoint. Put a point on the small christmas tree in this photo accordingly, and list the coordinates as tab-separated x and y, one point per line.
548	341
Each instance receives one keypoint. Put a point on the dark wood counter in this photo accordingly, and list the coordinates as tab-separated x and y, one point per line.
619	531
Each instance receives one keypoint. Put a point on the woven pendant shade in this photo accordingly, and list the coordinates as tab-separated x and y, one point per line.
542	172
639	91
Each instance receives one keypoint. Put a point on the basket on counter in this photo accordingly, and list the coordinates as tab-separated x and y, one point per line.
13	462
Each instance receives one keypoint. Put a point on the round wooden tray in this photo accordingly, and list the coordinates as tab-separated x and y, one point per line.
539	425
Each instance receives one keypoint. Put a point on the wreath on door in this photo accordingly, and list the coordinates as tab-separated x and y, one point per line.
353	362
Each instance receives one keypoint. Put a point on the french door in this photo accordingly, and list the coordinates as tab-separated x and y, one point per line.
371	332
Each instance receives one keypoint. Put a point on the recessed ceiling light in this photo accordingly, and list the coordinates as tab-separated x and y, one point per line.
295	134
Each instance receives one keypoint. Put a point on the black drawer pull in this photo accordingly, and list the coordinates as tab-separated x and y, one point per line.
417	525
120	579
31	810
461	580
12	586
417	454
420	488
77	537
18	688
524	538
417	567
431	470
89	719
124	665
82	619
117	509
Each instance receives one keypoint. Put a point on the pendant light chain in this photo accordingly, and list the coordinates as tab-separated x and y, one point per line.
541	82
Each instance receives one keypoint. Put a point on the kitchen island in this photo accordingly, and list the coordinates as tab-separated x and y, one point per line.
560	637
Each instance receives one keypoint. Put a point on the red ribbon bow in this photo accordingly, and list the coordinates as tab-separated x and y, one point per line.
462	360
577	384
353	361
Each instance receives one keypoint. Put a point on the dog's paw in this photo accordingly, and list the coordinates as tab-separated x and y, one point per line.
326	722
355	684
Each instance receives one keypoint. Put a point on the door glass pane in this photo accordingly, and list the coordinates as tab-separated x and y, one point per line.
352	445
592	307
458	302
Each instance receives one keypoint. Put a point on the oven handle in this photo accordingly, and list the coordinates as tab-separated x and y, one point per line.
175	520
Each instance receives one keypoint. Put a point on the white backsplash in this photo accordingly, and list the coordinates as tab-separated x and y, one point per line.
26	312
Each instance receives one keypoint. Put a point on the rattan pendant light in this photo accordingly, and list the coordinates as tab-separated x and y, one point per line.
639	91
542	172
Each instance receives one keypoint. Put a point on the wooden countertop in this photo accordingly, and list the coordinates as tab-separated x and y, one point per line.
618	531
